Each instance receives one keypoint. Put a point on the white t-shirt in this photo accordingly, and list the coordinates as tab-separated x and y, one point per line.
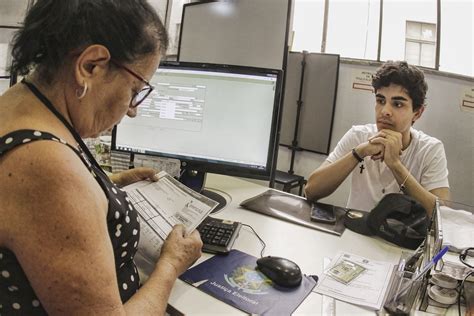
424	158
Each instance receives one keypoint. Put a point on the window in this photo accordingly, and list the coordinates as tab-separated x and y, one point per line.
12	12
402	38
308	17
6	36
353	28
173	24
160	6
457	34
420	44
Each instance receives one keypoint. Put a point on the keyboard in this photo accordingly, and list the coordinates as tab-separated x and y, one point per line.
218	235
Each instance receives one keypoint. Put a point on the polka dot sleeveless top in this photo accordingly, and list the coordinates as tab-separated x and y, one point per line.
17	297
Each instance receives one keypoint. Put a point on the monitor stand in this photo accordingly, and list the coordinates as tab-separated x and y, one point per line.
195	180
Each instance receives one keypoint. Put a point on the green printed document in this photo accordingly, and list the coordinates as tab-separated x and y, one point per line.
234	279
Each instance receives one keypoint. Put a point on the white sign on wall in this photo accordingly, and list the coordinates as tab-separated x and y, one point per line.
362	80
467	99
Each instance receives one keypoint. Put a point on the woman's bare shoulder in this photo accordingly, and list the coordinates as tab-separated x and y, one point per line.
56	226
41	182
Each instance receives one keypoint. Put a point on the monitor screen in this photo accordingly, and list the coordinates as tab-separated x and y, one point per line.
213	118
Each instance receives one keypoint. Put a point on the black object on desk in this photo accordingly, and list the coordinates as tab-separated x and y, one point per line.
283	272
290	181
218	235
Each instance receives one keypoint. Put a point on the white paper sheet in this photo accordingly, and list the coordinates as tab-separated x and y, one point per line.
163	204
368	289
457	226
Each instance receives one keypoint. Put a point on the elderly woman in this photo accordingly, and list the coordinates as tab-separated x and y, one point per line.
68	235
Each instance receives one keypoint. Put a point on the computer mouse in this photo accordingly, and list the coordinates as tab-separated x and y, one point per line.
282	271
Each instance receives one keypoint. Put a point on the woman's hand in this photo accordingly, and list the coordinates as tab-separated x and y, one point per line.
181	251
134	175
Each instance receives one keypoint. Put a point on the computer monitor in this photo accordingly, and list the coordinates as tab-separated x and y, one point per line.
213	118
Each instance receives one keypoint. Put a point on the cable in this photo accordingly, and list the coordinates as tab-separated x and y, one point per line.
461	289
261	240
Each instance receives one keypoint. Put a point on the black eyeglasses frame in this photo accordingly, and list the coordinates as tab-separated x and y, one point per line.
147	89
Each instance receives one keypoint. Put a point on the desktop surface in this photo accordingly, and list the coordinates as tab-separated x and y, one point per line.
306	247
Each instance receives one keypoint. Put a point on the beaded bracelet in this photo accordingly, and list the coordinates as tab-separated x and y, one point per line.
356	155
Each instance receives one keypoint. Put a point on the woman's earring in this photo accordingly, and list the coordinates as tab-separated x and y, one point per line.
80	95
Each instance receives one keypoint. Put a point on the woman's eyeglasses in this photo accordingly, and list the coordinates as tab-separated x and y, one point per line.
141	95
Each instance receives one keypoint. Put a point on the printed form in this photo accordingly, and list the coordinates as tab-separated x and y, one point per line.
162	205
368	289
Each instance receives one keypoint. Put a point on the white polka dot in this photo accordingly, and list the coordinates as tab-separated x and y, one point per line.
1	255
16	306
135	244
26	140
127	199
138	219
37	133
122	264
5	274
134	232
117	215
9	140
127	219
125	286
35	303
125	244
113	190
130	207
124	254
118	201
12	288
118	233
132	278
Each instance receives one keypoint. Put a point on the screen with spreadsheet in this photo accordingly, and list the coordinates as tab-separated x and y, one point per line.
213	118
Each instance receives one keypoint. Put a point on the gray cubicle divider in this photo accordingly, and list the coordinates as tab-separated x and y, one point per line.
235	32
319	100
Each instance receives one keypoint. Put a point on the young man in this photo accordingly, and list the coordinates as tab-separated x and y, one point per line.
391	154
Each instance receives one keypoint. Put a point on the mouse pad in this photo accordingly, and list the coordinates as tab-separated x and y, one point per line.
294	209
234	280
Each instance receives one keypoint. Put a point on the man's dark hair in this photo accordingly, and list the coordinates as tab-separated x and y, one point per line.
53	29
401	73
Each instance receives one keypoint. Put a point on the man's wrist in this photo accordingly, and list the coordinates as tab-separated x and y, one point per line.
396	166
356	155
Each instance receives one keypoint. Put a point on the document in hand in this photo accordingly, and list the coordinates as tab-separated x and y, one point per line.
368	289
162	205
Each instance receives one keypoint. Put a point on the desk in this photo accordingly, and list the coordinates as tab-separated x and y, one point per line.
307	247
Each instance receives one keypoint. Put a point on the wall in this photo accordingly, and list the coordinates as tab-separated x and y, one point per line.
442	119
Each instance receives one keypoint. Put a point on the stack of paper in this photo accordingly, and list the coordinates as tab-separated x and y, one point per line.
368	289
457	228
